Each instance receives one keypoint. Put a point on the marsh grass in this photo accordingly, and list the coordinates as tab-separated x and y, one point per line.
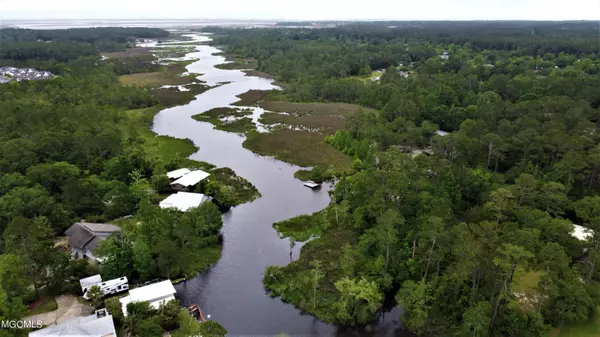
302	148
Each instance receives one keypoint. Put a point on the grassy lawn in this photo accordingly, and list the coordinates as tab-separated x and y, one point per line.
590	328
526	281
42	305
302	148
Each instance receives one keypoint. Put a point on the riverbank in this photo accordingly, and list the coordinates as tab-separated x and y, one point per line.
232	291
172	85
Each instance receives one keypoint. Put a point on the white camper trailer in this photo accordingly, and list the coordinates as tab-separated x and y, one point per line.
108	287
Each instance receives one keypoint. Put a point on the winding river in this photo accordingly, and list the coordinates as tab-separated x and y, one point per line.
232	291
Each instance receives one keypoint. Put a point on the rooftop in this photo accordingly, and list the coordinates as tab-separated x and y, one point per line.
178	173
581	232
99	324
191	178
183	201
89	235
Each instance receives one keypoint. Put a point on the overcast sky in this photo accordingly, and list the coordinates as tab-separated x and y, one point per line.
304	9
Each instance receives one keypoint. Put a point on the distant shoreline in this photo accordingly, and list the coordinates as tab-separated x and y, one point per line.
157	23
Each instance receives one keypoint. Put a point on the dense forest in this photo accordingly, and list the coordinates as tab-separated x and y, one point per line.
69	150
450	236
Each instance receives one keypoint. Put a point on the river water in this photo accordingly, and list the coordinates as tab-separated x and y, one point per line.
232	291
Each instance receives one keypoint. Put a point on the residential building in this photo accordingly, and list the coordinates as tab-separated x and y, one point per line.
178	173
85	237
99	324
23	74
581	233
183	201
155	294
189	180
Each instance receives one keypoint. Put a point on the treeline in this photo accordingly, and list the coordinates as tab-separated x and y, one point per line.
164	244
69	151
449	235
42	46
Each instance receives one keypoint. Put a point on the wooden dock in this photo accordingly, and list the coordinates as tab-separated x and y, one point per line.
195	311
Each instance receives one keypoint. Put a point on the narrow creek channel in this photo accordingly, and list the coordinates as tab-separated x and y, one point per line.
232	291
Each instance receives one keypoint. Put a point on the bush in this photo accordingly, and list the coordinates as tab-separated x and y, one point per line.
168	315
148	328
114	308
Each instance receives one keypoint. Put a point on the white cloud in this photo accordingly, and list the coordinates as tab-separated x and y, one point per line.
304	9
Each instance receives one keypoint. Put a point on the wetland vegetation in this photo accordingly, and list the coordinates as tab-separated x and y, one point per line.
474	236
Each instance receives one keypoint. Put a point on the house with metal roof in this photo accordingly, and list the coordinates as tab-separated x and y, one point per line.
155	294
99	324
183	201
178	173
189	180
85	237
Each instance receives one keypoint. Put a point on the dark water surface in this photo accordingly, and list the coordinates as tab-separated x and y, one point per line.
232	291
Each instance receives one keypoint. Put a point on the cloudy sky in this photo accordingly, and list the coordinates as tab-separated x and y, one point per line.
304	9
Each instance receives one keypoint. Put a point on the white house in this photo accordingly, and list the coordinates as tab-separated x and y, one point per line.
84	237
99	324
155	294
189	180
442	133
184	200
178	173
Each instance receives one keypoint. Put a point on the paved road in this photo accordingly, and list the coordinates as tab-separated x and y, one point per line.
67	307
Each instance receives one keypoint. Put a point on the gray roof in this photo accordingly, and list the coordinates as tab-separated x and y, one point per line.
84	235
88	326
79	236
95	242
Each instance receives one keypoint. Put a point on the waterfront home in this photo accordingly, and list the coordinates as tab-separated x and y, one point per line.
184	201
155	294
85	237
189	181
100	324
178	173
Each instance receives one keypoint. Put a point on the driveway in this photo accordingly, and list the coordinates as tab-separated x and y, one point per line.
67	307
